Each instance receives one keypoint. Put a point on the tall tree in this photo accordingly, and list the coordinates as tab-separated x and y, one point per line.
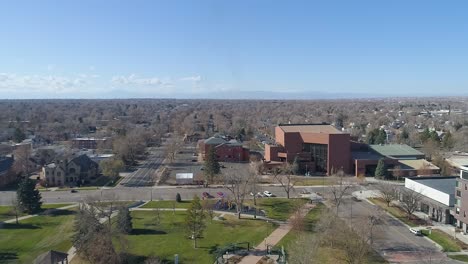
448	142
93	240
381	170
238	183
381	137
28	197
19	135
211	166
111	167
124	220
410	200
195	220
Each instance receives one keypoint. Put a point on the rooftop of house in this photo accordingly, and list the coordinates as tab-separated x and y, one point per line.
214	141
392	150
309	128
51	257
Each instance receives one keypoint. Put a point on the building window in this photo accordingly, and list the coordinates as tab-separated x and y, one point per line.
457	184
318	153
458	193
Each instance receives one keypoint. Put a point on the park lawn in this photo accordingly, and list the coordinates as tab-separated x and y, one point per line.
463	258
7	214
278	208
398	213
170	237
36	235
166	204
312	182
448	243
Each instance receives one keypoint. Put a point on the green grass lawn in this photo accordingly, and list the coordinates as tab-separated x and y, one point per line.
448	243
463	258
33	236
166	204
6	211
170	238
312	182
278	208
398	213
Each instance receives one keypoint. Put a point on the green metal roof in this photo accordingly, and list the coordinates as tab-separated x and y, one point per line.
393	150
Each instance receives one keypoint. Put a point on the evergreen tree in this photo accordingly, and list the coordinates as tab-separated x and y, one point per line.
28	197
380	171
434	136
124	220
195	220
425	135
448	142
371	136
381	137
19	135
211	166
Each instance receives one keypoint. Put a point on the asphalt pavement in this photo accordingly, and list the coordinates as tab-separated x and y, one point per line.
145	173
392	239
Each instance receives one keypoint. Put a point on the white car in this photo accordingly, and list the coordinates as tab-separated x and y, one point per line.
415	232
267	194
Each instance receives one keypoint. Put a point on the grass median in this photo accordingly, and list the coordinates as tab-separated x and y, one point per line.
448	243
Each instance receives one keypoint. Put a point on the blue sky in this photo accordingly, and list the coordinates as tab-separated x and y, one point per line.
94	49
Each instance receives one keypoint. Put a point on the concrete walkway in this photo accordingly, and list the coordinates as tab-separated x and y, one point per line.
273	239
9	221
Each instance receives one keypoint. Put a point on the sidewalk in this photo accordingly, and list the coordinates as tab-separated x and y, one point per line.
273	239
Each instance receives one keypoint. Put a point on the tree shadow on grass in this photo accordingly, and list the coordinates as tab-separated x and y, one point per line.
56	212
142	231
8	256
19	226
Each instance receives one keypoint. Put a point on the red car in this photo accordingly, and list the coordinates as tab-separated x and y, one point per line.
206	195
220	194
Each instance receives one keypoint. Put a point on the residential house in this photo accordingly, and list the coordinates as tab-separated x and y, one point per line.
226	151
75	171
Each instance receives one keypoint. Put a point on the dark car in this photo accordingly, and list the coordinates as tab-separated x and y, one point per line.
206	195
73	191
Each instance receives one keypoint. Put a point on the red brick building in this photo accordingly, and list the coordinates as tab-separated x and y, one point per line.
318	147
226	151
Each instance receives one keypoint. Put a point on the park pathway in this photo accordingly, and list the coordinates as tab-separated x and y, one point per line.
274	238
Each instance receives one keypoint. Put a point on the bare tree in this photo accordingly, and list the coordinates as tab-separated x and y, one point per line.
339	188
301	254
410	200
15	208
397	172
172	148
387	192
286	178
238	183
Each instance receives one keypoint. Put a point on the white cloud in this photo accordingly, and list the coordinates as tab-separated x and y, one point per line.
196	78
40	83
133	79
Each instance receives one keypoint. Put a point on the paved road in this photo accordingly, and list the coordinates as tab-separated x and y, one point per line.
139	193
144	175
393	240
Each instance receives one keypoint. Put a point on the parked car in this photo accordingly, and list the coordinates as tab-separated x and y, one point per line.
259	194
220	194
73	190
267	194
206	195
415	232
